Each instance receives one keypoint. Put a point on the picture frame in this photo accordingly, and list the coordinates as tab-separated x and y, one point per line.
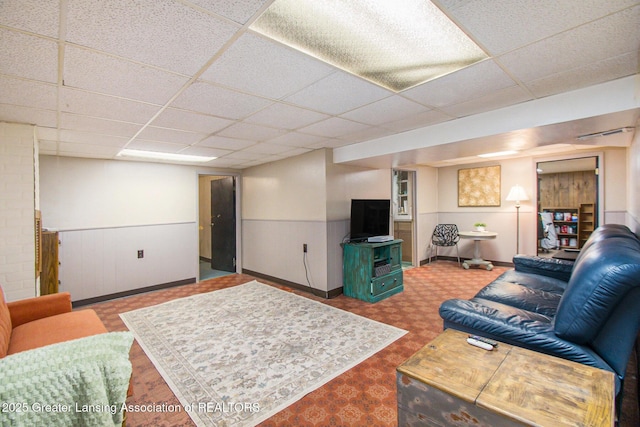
479	187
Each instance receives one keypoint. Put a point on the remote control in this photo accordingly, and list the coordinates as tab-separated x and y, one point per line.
485	340
480	344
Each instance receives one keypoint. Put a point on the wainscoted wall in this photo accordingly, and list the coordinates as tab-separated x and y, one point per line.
104	261
336	232
274	248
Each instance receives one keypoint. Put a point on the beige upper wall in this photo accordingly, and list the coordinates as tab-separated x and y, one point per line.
290	189
90	193
349	182
615	177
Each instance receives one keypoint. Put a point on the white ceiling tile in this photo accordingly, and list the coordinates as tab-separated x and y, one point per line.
267	148
189	120
494	100
36	16
28	93
504	25
244	155
334	127
254	64
28	56
427	118
198	150
35	116
285	116
386	110
108	107
172	35
102	126
237	10
611	36
209	99
147	145
225	143
91	138
373	132
251	132
598	72
338	93
296	139
74	149
100	73
469	83
170	135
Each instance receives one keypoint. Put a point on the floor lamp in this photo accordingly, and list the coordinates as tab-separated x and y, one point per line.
517	194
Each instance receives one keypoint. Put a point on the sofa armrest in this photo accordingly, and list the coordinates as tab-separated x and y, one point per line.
30	309
550	267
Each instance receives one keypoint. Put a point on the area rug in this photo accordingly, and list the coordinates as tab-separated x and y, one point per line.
236	356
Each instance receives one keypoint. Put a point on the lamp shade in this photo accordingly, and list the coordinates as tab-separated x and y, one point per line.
517	194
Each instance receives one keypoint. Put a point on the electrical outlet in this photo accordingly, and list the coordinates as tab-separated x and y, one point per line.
140	253
304	248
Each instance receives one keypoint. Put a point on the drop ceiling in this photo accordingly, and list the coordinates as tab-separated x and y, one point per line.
191	77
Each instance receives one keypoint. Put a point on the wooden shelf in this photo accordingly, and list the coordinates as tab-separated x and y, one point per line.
566	221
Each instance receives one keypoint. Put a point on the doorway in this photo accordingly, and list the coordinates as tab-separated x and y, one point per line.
568	204
403	206
217	226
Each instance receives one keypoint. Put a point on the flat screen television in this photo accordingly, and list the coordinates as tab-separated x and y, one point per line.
369	218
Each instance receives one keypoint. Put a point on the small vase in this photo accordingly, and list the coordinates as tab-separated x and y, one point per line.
479	228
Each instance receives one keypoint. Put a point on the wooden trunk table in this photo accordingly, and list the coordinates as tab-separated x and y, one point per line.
449	382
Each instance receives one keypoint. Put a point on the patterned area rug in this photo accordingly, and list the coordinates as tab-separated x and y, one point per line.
237	356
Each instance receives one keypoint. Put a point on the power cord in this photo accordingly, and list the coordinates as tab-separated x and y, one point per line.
306	273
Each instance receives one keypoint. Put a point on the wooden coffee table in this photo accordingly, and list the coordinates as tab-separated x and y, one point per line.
449	382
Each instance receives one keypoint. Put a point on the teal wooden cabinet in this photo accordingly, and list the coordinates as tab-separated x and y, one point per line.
372	271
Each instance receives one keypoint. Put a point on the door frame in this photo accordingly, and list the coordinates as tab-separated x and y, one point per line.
415	261
238	206
571	156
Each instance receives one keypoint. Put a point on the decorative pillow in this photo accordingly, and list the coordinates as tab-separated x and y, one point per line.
5	326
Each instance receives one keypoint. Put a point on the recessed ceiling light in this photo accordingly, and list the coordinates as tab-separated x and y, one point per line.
497	154
163	156
396	45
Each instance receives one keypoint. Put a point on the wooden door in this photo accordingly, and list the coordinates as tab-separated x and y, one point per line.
223	224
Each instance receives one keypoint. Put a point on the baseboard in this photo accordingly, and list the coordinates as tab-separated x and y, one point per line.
131	292
317	292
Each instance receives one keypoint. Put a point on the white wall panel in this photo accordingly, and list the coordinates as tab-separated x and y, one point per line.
274	248
98	262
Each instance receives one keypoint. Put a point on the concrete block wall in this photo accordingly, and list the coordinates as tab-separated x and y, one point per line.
18	152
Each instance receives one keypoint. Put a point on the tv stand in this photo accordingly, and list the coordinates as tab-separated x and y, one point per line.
372	271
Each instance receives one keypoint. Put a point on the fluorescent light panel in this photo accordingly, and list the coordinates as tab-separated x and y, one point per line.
394	44
156	155
497	154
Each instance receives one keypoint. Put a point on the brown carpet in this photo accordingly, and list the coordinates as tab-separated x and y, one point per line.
364	395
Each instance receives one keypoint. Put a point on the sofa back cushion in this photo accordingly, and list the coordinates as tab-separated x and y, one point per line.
5	326
607	270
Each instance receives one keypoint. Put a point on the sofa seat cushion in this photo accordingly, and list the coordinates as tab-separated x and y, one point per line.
5	326
526	291
55	329
518	327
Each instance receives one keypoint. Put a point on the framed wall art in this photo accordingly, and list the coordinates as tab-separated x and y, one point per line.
479	186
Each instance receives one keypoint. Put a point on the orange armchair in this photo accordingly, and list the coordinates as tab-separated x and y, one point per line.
36	322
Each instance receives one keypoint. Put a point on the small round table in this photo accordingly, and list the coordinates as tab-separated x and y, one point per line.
477	236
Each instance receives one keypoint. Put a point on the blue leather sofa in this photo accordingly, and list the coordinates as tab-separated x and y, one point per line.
587	311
